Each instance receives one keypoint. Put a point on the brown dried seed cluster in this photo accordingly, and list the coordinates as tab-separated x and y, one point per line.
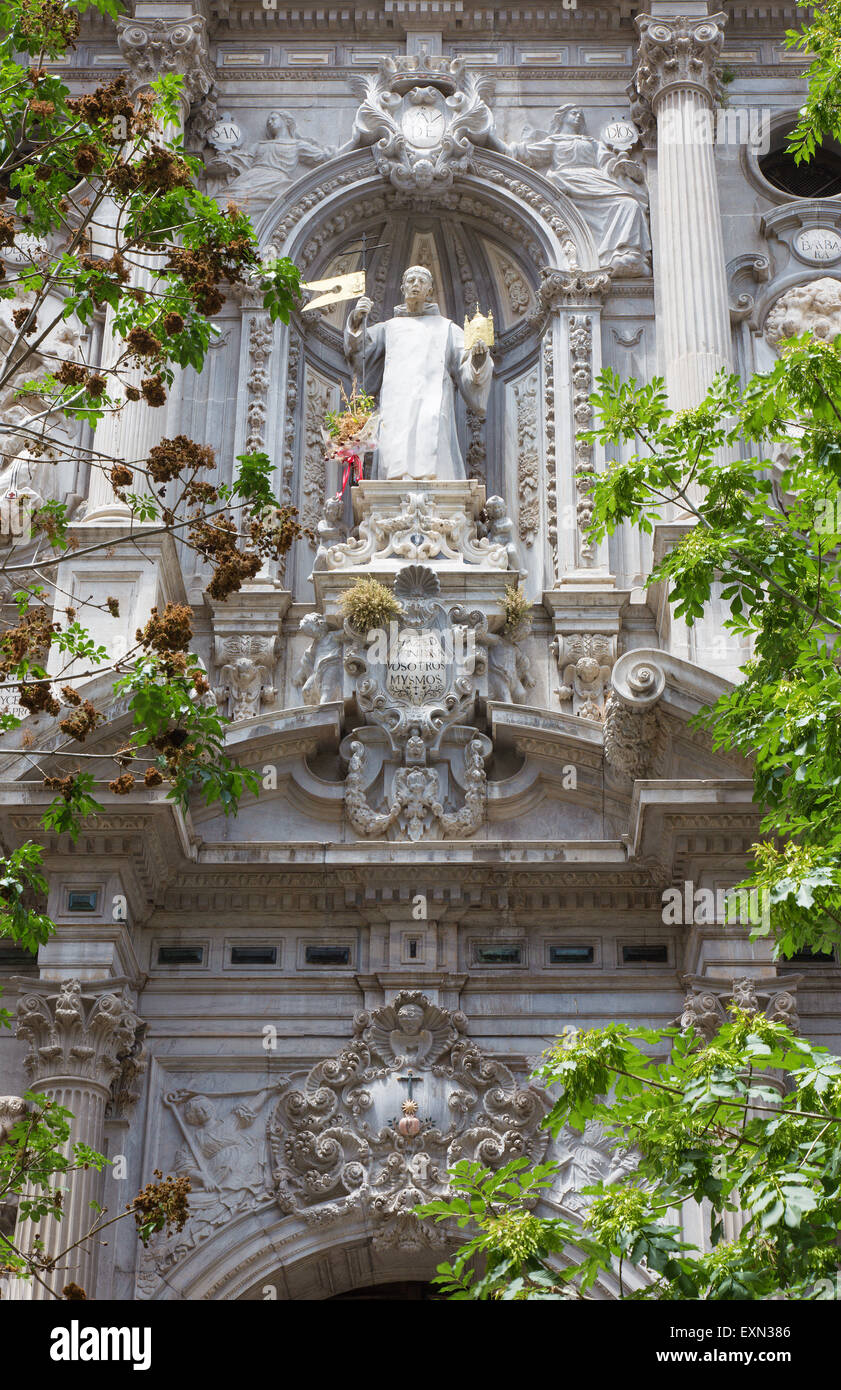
31	636
82	721
143	342
171	456
152	389
163	1202
170	632
64	785
123	784
105	103
72	374
121	476
38	18
87	157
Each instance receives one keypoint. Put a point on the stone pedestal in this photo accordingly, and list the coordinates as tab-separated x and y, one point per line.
246	641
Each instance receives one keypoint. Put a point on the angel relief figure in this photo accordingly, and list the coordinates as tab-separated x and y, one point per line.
272	163
606	187
410	1032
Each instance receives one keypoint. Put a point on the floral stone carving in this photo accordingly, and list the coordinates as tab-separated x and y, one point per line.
336	1142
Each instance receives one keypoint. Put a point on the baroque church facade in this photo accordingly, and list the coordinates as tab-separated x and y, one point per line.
460	847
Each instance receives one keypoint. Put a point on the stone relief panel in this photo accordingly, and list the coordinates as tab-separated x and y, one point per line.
607	187
253	175
245	677
374	1127
585	661
811	308
528	457
320	395
379	1124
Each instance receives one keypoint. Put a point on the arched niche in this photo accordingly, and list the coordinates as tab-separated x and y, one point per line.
486	239
261	1257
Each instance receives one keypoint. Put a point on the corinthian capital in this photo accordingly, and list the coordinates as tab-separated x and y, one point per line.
675	53
151	47
75	1032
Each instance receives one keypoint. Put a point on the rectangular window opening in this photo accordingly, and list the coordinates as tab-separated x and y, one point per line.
498	955
253	955
645	955
180	955
328	955
79	901
571	955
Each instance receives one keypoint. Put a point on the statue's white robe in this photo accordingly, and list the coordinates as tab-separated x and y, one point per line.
423	363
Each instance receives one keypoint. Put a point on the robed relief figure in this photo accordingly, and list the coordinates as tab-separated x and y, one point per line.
423	361
607	188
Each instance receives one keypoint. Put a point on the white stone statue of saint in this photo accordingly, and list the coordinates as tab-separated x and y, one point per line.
606	187
423	361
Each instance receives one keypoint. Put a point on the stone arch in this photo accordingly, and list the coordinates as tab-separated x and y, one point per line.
302	1262
510	215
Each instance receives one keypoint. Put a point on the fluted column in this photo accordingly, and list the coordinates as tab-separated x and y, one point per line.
80	1040
149	47
675	87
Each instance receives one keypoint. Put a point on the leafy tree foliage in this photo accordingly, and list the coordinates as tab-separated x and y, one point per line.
755	473
750	1123
100	211
820	116
36	1162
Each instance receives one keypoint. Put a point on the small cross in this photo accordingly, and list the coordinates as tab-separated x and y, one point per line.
411	1080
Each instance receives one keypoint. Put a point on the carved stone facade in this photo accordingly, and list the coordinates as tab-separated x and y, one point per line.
475	809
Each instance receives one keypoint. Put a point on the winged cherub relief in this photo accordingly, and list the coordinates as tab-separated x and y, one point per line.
411	1031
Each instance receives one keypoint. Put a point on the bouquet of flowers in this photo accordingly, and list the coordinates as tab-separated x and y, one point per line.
350	433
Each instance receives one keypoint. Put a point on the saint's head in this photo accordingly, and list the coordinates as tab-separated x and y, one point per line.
417	288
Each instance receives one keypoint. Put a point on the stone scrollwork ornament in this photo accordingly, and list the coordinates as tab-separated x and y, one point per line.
635	735
416	530
341	1140
417	689
422	118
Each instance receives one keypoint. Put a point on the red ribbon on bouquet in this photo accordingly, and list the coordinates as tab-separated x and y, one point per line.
352	469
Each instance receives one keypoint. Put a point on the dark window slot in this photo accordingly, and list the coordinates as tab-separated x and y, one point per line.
645	955
571	955
808	957
253	955
82	902
499	955
328	955
180	955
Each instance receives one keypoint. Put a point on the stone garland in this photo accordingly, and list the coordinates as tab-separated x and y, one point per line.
581	372
528	458
551	460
